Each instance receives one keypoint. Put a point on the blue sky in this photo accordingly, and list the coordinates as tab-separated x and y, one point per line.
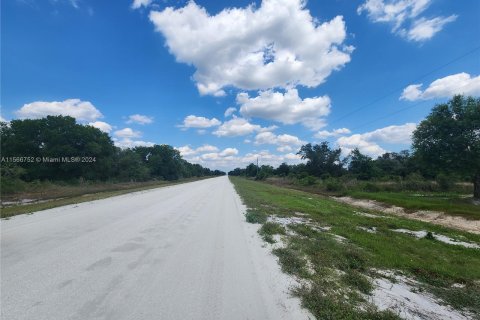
355	73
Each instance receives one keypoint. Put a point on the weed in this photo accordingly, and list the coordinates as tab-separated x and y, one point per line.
254	216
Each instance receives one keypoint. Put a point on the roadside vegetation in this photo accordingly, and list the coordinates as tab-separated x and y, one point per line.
338	253
441	172
54	157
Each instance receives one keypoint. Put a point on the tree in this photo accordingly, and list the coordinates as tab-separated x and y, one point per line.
322	159
448	140
283	170
361	165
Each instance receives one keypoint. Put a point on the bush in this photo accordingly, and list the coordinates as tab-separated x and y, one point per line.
255	217
445	182
371	187
307	181
334	186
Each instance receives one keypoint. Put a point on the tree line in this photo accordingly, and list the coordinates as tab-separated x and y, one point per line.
56	148
446	147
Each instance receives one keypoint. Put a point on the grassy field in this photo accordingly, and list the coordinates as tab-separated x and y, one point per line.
336	258
49	195
457	202
450	203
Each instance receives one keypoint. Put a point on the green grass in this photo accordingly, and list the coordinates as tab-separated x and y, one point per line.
343	268
449	203
78	194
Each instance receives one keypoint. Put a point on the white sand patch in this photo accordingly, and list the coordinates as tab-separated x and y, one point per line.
402	298
439	237
369	229
286	221
435	217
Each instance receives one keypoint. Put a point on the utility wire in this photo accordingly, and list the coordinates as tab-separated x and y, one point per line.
400	88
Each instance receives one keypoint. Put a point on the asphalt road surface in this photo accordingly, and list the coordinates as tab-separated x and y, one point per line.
179	252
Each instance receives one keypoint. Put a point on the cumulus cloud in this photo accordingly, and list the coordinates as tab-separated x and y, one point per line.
285	142
230	111
192	121
125	138
236	127
215	160
369	142
460	83
139	119
334	133
141	3
76	108
188	151
424	29
404	16
286	108
129	143
103	126
278	44
127	133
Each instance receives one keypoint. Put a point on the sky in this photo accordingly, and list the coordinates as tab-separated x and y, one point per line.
227	82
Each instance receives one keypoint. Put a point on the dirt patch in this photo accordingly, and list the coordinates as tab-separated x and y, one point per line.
439	237
400	294
435	217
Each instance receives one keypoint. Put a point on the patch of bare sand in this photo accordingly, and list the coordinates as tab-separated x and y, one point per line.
435	217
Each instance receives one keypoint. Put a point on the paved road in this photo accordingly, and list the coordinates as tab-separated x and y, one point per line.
179	252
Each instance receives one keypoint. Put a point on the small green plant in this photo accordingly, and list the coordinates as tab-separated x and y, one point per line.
254	216
429	236
269	229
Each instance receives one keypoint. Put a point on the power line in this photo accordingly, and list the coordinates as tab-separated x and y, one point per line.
397	111
400	88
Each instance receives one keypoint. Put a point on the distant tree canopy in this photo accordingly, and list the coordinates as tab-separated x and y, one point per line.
59	136
446	146
448	140
322	160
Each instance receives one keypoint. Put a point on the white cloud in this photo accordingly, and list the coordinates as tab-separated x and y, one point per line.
103	126
230	111
215	160
335	133
129	143
192	121
139	119
127	133
368	143
80	110
207	148
139	3
287	108
188	151
460	83
358	141
278	44
285	142
236	127
2	119
228	152
424	29
404	16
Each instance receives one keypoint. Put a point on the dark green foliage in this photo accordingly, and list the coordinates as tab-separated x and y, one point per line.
55	137
448	140
253	216
321	159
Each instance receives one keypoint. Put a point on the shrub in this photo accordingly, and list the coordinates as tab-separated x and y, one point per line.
307	181
445	182
255	217
371	187
334	186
